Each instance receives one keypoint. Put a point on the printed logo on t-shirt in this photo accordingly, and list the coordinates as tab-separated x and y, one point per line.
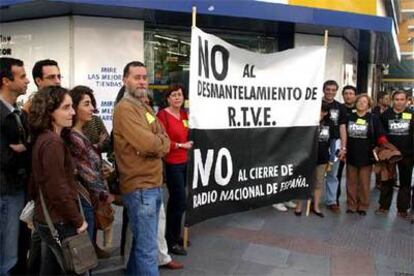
323	133
399	127
334	115
407	116
358	129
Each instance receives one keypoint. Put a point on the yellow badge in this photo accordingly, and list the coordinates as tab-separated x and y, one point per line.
150	118
407	116
185	123
360	122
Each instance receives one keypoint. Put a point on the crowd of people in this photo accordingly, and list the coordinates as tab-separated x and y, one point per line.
51	154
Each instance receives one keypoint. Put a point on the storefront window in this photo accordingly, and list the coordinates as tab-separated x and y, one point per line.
167	57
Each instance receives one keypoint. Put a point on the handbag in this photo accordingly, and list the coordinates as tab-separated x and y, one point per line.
78	252
104	215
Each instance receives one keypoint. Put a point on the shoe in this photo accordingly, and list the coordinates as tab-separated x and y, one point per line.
404	215
173	265
101	254
381	211
334	208
362	213
290	204
280	207
349	211
181	242
178	250
298	213
319	214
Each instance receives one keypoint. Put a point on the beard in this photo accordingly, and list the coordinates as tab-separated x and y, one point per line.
138	93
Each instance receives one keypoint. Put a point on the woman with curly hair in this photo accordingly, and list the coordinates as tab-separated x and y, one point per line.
51	113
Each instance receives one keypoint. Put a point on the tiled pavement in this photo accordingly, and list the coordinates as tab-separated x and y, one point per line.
268	242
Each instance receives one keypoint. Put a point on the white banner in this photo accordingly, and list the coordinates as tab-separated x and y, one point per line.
235	88
254	121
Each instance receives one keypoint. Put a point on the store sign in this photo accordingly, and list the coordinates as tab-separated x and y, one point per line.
103	47
34	40
254	120
5	47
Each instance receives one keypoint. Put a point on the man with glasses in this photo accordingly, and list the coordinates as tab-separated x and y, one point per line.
45	73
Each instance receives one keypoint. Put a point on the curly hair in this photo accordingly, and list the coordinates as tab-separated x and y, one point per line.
44	103
77	93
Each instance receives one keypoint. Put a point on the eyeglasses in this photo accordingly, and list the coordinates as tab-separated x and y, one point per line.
52	77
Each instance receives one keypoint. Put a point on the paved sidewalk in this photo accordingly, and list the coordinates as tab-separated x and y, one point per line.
267	242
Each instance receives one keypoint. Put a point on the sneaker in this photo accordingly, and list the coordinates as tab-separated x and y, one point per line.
177	250
280	207
173	265
290	204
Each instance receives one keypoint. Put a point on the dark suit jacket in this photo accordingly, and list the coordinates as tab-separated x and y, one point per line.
14	167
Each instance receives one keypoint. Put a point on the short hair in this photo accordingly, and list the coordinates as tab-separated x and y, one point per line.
382	94
330	82
77	93
173	88
6	64
325	107
399	92
37	71
132	64
44	103
360	96
349	87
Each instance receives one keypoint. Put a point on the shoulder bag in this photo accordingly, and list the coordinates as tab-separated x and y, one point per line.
78	252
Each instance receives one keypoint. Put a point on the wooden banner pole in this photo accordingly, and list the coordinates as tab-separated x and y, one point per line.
194	16
325	43
185	238
308	205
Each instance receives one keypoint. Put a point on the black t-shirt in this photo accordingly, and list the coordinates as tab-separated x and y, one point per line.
350	110
338	116
323	141
399	128
362	133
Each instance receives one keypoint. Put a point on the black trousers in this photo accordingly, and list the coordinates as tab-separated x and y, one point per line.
405	169
339	177
176	177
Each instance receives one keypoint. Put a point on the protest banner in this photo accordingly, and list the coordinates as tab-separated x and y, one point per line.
254	121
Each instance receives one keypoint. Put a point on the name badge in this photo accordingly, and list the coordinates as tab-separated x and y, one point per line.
407	116
150	118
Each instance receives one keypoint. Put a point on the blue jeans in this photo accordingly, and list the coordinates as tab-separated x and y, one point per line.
331	176
176	177
143	209
89	217
10	208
